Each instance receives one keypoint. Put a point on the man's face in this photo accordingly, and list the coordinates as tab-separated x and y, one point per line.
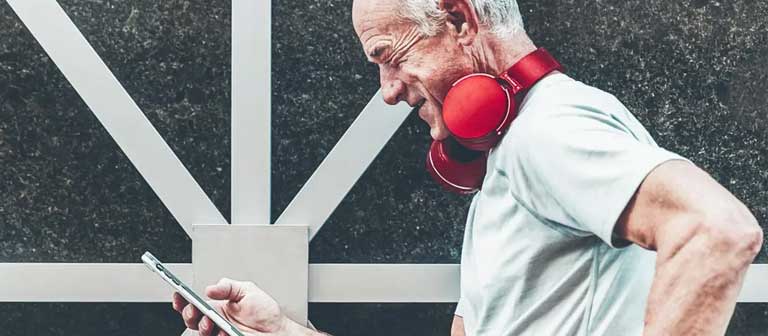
413	68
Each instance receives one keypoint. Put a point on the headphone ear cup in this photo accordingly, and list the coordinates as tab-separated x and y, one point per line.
476	109
456	168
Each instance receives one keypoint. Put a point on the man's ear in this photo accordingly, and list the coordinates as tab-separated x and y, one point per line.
462	20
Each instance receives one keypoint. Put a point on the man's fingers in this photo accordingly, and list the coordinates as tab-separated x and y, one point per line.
222	333
191	316
178	302
226	289
206	326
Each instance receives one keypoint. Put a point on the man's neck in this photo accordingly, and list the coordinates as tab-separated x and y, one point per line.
493	55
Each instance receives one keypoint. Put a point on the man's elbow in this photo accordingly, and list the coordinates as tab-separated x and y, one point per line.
734	239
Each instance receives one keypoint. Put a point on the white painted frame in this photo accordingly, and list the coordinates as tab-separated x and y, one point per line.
180	193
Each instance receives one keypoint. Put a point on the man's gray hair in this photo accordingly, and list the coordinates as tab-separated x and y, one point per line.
502	17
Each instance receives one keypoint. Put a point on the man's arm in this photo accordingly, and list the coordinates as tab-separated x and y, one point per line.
705	240
292	328
457	327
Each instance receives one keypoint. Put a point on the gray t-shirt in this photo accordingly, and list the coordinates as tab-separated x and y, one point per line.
539	256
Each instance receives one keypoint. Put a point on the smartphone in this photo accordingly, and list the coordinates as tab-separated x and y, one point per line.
156	266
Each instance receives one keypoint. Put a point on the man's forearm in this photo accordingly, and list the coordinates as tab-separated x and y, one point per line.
291	328
697	282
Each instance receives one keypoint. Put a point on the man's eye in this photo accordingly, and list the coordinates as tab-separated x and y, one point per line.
379	53
376	52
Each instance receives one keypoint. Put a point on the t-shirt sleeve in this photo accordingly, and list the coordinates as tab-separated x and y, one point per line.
579	167
460	308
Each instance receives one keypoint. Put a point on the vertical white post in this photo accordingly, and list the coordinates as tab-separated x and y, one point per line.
251	111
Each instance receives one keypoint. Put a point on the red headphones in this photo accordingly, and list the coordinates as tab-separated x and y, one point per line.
477	111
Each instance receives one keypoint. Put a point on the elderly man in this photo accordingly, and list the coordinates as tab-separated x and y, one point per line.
575	197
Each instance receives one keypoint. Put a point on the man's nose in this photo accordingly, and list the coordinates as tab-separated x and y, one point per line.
392	89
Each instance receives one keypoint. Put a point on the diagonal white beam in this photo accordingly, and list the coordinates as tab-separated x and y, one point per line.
251	111
344	165
58	282
117	112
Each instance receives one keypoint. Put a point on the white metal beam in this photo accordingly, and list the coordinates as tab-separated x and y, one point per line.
755	287
344	165
251	111
383	283
58	282
275	257
117	112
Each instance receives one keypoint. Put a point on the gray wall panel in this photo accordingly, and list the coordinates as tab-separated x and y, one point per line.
173	58
69	194
89	319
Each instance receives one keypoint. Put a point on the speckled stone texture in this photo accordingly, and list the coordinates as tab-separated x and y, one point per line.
89	319
173	58
692	71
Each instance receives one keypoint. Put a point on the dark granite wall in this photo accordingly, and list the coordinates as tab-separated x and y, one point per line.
694	72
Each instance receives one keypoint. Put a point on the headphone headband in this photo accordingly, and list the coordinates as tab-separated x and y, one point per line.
529	70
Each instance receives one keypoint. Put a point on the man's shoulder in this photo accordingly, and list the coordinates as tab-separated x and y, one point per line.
563	103
557	113
561	95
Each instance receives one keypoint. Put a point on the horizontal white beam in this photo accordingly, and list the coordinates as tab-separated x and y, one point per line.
383	283
386	283
755	284
59	282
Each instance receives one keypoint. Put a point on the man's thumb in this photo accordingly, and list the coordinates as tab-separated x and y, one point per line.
226	289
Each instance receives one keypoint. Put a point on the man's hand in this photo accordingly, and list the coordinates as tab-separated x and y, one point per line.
245	305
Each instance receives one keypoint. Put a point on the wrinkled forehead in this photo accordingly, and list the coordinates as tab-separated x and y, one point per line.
372	17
